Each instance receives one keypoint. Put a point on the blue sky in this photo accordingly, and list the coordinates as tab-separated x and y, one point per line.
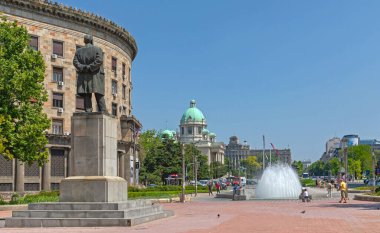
299	72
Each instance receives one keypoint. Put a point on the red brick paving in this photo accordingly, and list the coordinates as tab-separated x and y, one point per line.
200	216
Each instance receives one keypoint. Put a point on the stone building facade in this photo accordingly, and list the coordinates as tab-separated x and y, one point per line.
57	31
235	152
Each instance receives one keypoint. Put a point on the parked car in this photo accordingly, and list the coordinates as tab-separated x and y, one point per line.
203	182
371	182
192	182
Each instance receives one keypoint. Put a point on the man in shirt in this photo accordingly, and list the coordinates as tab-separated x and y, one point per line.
343	192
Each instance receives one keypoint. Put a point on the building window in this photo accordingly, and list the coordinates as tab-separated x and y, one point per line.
114	109
199	130
129	97
182	130
114	87
58	100
189	130
123	91
58	48
33	43
79	102
57	127
57	74
114	65
57	162
123	70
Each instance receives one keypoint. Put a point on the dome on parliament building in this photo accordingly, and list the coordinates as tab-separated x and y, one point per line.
167	134
193	114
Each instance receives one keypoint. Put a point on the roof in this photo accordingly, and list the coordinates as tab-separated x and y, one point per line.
193	114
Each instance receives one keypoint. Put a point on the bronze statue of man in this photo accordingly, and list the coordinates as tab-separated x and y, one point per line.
88	61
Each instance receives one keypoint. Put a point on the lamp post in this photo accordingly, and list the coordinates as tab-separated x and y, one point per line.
373	170
344	147
182	199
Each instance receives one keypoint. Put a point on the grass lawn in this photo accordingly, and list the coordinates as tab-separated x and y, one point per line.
133	193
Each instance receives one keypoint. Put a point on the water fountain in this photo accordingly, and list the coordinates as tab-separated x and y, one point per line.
279	181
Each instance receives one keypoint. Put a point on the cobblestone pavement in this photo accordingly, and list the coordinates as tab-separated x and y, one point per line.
201	215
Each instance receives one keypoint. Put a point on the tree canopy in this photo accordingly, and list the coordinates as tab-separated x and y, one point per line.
161	157
251	165
22	95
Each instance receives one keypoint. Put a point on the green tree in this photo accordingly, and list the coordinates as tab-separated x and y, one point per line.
298	166
334	166
355	168
251	164
217	169
161	157
193	155
148	141
316	168
22	96
361	153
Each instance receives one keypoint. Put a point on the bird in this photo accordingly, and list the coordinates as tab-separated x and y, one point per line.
218	215
302	212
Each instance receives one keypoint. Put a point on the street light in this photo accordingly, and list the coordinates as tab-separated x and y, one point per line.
344	147
182	199
373	169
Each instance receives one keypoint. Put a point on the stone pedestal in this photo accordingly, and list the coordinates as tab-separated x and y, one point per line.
93	189
93	162
93	145
93	195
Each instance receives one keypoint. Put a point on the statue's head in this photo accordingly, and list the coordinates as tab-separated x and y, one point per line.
88	39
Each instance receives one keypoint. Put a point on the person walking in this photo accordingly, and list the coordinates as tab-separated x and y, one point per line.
209	185
217	186
343	192
329	189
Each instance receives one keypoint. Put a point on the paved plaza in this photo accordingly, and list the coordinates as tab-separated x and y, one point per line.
201	215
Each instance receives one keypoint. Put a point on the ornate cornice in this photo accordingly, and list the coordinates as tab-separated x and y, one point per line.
68	13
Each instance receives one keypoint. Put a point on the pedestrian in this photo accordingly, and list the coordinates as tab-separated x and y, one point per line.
305	195
329	189
235	190
217	186
343	192
209	185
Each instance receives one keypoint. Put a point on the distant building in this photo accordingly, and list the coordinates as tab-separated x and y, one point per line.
332	148
284	155
333	143
374	143
193	130
306	163
352	139
235	152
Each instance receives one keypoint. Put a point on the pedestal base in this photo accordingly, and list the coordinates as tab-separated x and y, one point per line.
93	189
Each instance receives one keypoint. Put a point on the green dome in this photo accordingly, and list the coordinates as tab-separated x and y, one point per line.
167	134
212	135
205	131
193	114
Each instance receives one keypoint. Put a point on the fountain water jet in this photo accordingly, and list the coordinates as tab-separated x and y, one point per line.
278	182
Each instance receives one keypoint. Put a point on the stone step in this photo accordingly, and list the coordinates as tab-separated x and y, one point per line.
83	222
133	212
230	196
89	205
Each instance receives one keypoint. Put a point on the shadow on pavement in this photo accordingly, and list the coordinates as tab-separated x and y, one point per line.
366	206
